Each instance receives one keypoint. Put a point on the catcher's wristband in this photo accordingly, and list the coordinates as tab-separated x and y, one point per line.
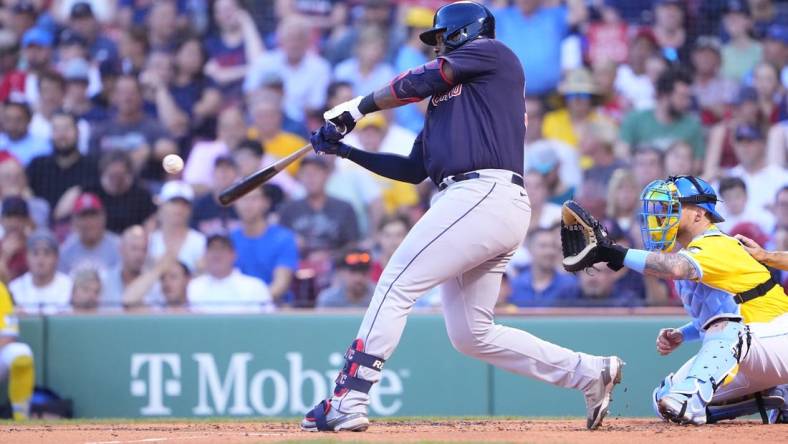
690	332
636	260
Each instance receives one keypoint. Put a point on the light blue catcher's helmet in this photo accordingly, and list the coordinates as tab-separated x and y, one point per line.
661	203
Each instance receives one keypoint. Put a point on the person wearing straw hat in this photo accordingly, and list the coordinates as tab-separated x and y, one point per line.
579	94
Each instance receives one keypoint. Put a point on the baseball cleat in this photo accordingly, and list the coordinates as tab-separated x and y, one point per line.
323	418
682	409
598	396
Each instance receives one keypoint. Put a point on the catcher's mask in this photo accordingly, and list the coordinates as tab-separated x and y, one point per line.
661	203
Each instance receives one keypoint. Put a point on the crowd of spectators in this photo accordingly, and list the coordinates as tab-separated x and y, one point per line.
95	93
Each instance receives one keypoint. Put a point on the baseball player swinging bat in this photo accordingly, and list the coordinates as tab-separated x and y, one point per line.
259	177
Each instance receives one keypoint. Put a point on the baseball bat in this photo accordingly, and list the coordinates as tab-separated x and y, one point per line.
259	177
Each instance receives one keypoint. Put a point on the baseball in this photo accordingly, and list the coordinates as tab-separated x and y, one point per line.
172	163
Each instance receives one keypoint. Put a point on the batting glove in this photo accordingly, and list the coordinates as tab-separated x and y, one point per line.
345	115
326	140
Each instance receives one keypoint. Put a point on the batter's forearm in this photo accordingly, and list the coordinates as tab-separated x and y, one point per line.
403	169
670	266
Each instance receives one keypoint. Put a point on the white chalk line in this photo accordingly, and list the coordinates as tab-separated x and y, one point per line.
179	438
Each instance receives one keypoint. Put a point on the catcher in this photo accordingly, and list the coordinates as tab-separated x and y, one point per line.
738	311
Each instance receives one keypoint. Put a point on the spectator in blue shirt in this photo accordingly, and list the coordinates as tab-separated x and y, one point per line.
535	32
17	138
541	284
266	251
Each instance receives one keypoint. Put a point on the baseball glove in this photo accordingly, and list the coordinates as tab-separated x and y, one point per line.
585	242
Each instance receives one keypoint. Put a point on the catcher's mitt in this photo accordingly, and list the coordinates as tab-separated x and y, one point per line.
585	242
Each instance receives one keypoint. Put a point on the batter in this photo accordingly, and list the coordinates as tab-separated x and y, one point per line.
471	147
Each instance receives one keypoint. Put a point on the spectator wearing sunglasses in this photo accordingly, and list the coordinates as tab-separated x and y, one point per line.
353	287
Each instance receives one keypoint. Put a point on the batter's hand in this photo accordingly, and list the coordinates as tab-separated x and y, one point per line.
752	247
668	340
326	140
345	115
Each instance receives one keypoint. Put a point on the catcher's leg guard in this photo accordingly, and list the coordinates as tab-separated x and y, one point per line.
718	359
762	403
779	415
324	417
18	357
660	392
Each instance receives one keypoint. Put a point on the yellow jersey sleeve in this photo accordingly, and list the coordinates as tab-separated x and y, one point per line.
722	263
9	325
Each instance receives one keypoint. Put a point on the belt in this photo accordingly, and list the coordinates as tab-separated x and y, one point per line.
516	179
756	292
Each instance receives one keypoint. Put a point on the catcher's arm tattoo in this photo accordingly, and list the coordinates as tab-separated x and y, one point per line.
670	266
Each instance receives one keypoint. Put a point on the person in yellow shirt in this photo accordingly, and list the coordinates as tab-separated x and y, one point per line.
267	118
579	94
371	132
16	359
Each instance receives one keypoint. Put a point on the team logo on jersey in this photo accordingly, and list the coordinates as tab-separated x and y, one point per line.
454	92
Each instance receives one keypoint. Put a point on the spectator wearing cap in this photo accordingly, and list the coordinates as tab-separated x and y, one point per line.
733	194
367	69
126	202
71	45
670	119
133	131
230	132
13	183
22	85
175	210
322	223
209	216
42	289
89	242
742	52
529	21
83	22
754	170
53	174
264	250
541	284
607	288
633	81
232	47
305	73
673	39
223	287
580	96
413	53
16	137
713	92
547	163
23	16
353	286
77	73
16	223
720	153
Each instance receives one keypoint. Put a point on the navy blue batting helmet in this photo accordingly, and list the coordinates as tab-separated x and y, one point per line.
460	22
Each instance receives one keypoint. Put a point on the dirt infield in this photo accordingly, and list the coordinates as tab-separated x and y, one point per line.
615	430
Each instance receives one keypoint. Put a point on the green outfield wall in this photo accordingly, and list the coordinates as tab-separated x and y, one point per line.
280	365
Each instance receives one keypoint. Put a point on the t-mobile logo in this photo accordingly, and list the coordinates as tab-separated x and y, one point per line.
155	387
